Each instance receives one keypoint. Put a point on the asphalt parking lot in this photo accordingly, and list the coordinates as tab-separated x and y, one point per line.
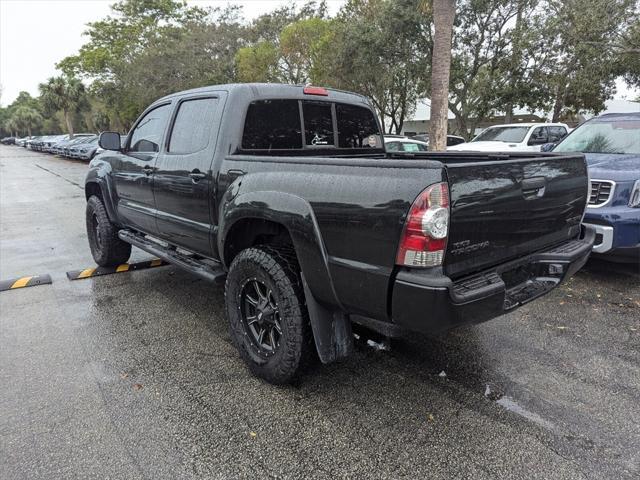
133	375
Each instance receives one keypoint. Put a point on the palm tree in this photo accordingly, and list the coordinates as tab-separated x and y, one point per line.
11	126
26	118
444	12
63	93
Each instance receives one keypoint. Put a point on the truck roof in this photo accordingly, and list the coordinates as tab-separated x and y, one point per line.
271	90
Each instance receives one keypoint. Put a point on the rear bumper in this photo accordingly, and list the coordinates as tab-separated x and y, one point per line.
429	303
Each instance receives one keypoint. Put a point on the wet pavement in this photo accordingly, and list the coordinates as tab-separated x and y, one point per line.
133	375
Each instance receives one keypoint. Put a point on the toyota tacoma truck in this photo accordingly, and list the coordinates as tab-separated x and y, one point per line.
286	193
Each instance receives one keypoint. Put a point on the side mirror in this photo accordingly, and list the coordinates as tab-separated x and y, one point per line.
547	147
110	141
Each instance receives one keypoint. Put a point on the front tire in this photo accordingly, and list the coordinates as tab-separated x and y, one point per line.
106	247
267	313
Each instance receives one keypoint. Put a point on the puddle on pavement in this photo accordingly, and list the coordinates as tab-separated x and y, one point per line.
512	406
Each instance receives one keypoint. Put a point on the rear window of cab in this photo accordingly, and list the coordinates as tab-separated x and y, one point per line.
309	124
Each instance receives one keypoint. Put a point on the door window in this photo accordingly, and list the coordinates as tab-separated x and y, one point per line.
393	146
192	127
557	133
147	135
538	136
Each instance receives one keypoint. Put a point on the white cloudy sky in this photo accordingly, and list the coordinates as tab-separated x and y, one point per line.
36	34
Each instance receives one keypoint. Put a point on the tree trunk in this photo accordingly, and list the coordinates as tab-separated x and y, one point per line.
443	15
557	109
29	130
69	122
508	114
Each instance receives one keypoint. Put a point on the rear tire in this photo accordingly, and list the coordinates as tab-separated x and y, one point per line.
106	247
267	313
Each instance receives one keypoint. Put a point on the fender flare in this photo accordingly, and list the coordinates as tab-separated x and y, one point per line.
100	176
330	323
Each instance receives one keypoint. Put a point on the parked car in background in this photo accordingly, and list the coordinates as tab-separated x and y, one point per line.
395	143
515	137
84	150
611	144
50	142
37	143
29	143
76	142
59	147
451	139
8	140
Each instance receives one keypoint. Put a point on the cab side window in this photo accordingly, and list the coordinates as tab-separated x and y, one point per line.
146	137
539	136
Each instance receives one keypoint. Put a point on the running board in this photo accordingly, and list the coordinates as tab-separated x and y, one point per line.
212	273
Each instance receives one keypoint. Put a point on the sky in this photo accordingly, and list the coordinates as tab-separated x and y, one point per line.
36	34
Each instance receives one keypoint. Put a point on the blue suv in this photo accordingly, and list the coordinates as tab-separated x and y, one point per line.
611	144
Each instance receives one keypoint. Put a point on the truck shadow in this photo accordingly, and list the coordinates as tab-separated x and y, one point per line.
604	269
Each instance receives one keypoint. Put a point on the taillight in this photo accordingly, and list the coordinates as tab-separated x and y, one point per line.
424	238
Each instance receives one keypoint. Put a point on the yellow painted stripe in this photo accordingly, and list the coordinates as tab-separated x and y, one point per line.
87	272
155	263
122	268
21	282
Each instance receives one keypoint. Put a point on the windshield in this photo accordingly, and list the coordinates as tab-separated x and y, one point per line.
604	136
502	134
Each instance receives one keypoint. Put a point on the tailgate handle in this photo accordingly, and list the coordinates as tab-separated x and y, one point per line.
534	186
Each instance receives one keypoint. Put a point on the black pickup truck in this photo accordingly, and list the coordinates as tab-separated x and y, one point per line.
288	194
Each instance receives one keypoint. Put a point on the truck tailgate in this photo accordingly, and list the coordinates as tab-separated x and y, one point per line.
503	207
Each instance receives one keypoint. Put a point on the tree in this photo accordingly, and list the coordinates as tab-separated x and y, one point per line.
66	94
584	69
116	44
443	17
292	57
26	118
381	49
258	63
489	60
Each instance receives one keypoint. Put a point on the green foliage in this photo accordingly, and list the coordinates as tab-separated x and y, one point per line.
381	49
258	63
64	94
581	74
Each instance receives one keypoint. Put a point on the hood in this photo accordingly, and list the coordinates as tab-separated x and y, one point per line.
611	166
484	147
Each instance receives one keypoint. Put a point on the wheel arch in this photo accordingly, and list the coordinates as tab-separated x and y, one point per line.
248	218
98	183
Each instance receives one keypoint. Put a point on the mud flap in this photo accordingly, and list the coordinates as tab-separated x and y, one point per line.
331	329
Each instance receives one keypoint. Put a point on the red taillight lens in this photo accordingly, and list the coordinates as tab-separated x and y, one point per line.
315	91
424	238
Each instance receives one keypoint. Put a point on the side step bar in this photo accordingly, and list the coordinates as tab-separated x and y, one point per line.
212	273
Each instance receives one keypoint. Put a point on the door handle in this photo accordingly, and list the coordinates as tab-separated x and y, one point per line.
533	183
533	187
148	169
197	175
